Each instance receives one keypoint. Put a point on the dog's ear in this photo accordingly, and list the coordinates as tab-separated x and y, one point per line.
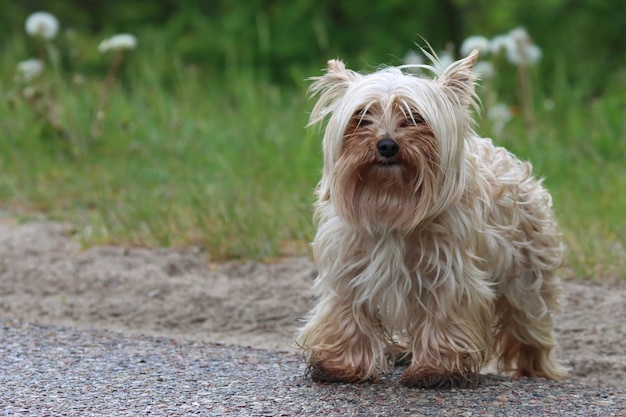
460	80
338	73
330	87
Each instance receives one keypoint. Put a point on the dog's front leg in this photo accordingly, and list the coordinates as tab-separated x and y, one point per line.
336	345
452	340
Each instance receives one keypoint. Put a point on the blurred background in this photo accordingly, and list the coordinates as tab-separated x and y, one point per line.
282	40
192	133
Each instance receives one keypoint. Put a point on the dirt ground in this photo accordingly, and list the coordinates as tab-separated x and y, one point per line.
46	278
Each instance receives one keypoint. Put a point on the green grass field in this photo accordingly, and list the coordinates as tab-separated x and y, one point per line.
172	155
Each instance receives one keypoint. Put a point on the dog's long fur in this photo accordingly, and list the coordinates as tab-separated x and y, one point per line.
443	254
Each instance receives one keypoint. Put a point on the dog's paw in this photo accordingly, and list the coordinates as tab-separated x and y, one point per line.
320	374
437	379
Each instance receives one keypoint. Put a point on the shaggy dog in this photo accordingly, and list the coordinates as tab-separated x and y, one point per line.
433	247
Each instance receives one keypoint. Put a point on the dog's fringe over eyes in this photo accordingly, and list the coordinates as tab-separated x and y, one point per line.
432	244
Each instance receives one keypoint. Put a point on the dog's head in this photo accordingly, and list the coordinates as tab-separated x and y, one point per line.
393	144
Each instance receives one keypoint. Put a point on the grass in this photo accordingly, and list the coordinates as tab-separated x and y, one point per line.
579	147
180	156
224	165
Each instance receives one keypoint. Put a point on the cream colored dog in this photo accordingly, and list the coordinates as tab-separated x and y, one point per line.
433	246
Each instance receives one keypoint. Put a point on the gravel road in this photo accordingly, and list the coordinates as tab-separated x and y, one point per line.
62	371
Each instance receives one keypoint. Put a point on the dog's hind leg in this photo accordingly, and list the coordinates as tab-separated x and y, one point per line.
524	336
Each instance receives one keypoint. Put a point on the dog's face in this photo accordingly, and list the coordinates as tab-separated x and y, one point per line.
387	160
393	145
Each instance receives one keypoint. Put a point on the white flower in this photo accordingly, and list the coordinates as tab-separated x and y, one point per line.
475	42
500	43
29	69
121	42
499	114
104	46
445	59
485	70
519	35
43	25
522	51
518	47
412	58
523	54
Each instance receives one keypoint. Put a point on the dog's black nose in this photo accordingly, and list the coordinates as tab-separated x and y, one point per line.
387	147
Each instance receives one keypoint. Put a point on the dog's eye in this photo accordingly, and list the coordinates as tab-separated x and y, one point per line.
362	117
414	120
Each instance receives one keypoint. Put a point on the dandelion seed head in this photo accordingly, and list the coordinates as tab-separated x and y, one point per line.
121	42
500	43
485	70
43	25
499	114
517	47
412	58
445	59
524	54
30	69
103	47
475	42
519	35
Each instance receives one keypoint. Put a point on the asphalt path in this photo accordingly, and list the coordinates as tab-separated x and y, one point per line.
57	371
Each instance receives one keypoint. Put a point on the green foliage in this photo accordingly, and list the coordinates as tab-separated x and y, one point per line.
199	165
579	146
197	136
281	40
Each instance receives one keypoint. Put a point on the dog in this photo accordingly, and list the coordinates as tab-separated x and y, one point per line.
434	248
